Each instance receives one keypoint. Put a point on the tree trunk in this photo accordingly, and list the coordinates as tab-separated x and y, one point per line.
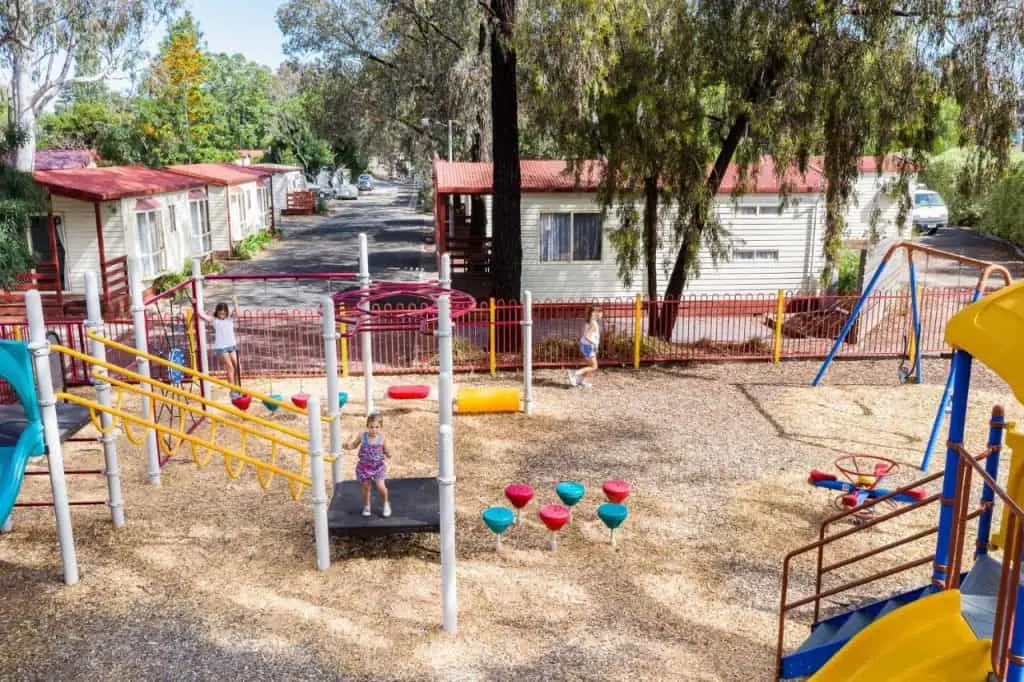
507	251
758	91
651	250
478	207
24	156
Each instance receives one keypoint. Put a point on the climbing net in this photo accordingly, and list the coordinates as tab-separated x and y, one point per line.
388	306
178	332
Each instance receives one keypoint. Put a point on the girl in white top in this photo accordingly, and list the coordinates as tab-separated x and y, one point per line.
589	343
225	346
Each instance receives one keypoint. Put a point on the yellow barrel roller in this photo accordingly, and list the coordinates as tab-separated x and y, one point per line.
482	400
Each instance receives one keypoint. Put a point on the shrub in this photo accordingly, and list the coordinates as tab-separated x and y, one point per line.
1004	207
849	273
251	245
949	175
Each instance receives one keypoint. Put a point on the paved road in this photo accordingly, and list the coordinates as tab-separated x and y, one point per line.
395	234
967	242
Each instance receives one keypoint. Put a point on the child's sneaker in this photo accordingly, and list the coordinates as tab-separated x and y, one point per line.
366	511
586	384
572	379
387	510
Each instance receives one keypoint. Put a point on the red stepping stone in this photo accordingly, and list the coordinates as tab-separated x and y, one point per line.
617	491
408	392
554	516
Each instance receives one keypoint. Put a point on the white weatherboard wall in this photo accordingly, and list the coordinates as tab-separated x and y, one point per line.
795	235
81	246
218	206
176	241
252	222
873	193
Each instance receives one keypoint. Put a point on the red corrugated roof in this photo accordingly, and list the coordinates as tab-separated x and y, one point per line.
216	173
251	170
113	182
539	176
869	164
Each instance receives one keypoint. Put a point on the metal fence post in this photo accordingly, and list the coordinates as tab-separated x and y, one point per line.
638	330
199	302
780	314
40	349
112	469
527	353
492	346
330	331
319	495
365	337
142	367
446	465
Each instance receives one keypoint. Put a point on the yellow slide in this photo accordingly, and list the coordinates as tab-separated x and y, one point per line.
925	640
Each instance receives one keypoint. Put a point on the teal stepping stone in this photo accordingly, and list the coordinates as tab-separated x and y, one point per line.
498	519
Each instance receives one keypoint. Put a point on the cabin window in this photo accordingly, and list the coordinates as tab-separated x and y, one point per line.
172	219
570	237
201	235
152	254
755	255
746	210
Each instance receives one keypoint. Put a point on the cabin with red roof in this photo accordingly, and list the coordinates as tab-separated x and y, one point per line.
99	217
239	200
284	180
567	250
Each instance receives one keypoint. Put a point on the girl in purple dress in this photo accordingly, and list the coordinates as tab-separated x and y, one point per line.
372	467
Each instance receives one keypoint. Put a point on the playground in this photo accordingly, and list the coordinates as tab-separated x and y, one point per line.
215	577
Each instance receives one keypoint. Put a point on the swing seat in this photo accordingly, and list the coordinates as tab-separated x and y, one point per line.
271	405
242	402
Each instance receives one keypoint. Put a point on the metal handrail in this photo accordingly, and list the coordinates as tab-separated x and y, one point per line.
1009	579
823	540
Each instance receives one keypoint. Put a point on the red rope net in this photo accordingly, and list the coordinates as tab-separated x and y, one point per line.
389	306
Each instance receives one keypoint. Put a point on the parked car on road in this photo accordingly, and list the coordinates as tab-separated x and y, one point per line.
365	183
930	212
346	191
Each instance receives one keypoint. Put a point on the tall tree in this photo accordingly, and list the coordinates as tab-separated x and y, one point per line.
177	114
242	105
801	78
20	197
506	232
41	39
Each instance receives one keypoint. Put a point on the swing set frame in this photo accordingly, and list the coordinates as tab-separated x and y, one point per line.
986	270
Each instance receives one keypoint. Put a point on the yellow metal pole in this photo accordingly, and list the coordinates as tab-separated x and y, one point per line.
780	312
344	344
17	333
638	322
491	338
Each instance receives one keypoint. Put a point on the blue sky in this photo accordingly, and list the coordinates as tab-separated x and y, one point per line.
246	26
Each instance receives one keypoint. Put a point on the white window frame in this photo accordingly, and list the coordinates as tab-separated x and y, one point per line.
572	226
172	219
200	236
754	255
153	262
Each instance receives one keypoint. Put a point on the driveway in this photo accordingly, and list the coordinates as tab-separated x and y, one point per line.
966	242
395	232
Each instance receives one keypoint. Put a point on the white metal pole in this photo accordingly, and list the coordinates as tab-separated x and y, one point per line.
330	330
527	353
451	156
142	367
446	271
446	466
365	337
316	470
111	467
200	303
40	349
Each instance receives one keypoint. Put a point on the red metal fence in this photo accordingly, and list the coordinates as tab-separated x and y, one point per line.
289	342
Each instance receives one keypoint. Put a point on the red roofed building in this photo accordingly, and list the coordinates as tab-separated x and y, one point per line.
567	253
240	200
97	219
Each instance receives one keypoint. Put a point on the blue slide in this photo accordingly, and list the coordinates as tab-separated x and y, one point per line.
21	427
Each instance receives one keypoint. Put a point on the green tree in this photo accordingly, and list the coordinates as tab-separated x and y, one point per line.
177	114
243	109
40	43
294	142
81	124
20	197
787	80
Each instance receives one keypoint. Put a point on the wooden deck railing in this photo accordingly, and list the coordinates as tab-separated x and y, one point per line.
115	285
300	203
